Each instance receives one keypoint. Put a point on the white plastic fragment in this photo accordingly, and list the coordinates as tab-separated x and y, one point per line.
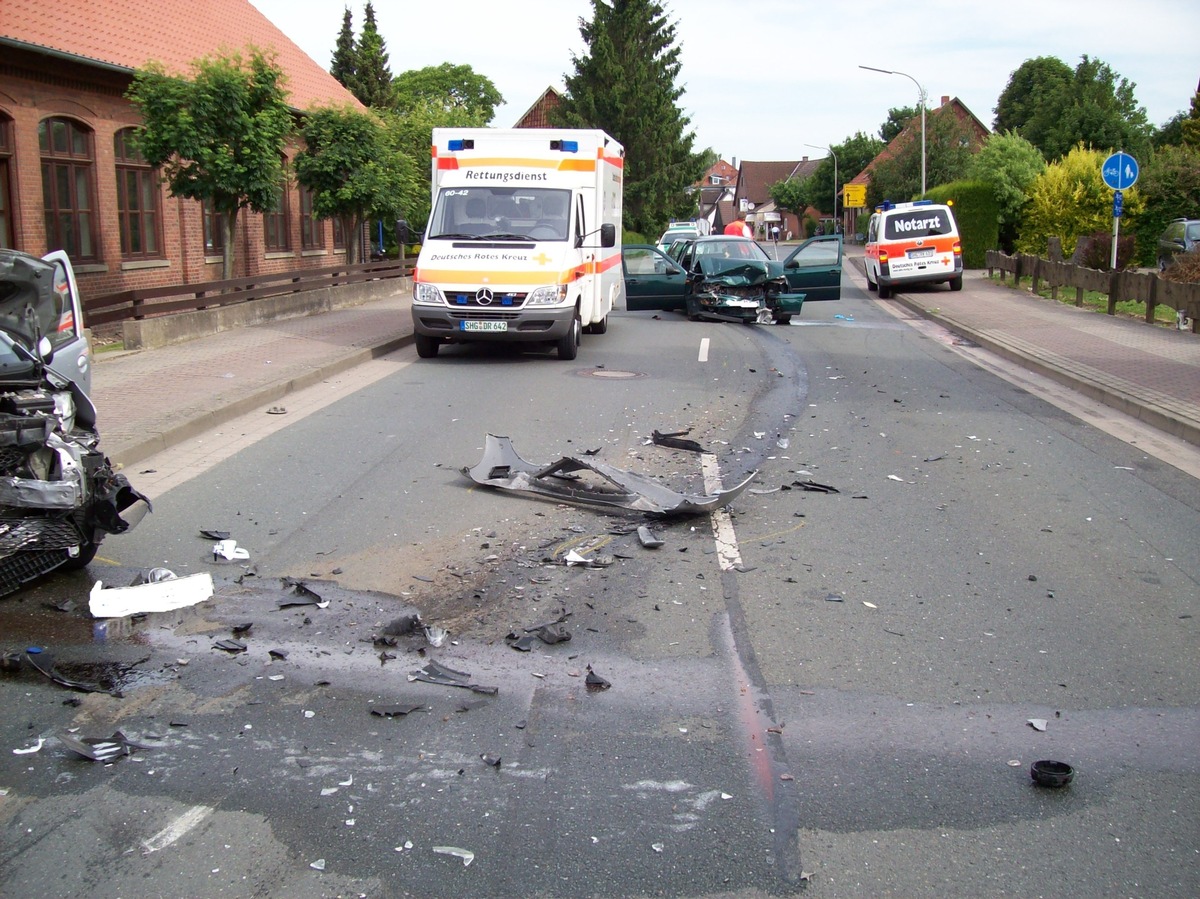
229	550
1037	723
318	865
31	749
657	847
870	605
159	596
894	477
436	636
466	855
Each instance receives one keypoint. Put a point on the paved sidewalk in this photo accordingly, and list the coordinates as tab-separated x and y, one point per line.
152	399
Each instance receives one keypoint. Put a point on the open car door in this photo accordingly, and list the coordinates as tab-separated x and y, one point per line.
815	268
62	324
652	279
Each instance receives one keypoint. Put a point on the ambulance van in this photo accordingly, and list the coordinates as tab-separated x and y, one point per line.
523	241
912	243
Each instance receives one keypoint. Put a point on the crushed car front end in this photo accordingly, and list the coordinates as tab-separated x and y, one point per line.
59	493
749	292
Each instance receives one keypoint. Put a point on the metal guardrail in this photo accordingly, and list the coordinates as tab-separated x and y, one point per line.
145	302
1117	286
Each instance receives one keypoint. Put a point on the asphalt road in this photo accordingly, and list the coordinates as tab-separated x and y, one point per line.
816	692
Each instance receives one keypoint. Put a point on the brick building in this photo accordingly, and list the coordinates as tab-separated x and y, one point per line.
69	175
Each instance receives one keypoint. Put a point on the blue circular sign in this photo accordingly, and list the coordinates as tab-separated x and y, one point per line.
1120	171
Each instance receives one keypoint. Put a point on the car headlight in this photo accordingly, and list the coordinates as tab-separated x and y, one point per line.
427	294
550	295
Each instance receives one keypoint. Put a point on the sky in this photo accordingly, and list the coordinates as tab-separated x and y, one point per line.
772	80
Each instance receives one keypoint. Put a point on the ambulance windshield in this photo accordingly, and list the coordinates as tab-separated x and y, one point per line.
501	213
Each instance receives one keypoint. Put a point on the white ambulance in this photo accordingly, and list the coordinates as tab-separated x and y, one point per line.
912	243
523	241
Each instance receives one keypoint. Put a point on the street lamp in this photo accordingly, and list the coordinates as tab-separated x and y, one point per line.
921	97
835	180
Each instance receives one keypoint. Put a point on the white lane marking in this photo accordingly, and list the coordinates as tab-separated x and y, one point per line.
177	828
703	350
728	553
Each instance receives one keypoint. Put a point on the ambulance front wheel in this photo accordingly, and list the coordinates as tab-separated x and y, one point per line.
568	344
956	283
427	347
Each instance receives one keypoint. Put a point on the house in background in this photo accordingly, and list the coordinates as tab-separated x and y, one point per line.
752	196
976	132
70	177
538	115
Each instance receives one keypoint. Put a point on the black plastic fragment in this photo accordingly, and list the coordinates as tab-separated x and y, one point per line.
45	664
433	673
595	683
673	440
101	750
397	711
814	487
214	534
230	646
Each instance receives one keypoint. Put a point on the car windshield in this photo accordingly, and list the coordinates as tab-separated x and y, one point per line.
501	213
731	249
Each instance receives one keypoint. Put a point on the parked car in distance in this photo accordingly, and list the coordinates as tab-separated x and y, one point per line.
678	231
1181	236
732	278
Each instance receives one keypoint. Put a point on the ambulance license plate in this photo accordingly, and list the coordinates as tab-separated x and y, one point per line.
920	254
483	326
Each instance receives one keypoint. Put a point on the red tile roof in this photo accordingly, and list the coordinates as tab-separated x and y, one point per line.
129	33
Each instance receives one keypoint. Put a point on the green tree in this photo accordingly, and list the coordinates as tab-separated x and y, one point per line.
1070	200
219	136
1191	125
626	84
1009	164
1170	183
372	77
343	66
853	155
447	87
1055	109
897	120
354	170
947	158
791	194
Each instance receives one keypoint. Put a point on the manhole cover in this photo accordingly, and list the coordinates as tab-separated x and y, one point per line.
610	374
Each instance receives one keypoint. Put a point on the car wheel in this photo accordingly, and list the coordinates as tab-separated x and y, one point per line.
87	552
956	283
885	291
693	309
600	327
871	285
568	344
782	319
427	347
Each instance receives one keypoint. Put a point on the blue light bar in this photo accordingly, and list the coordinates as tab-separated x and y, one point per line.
461	144
565	146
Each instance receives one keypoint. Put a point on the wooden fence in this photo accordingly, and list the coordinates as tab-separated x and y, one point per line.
1117	286
152	301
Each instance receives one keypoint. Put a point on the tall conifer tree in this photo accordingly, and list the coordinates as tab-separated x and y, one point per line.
373	78
625	83
343	67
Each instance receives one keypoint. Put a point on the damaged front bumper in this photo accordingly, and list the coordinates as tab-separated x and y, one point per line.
501	467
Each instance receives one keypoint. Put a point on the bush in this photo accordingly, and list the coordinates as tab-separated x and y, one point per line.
1185	269
1095	251
810	226
633	237
977	214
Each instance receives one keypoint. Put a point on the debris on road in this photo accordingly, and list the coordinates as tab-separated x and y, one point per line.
231	646
814	487
30	750
43	662
433	673
595	683
648	538
1038	724
466	855
501	467
574	559
674	440
229	551
298	594
398	711
1049	773
101	750
157	594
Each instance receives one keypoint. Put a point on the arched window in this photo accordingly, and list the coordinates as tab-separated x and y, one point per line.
138	204
277	236
68	187
6	147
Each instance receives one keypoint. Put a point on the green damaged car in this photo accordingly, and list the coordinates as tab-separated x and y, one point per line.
729	278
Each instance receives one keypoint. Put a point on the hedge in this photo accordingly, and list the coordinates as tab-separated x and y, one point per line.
977	214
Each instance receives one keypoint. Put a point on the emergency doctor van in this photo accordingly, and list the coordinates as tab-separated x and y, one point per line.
523	241
912	243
